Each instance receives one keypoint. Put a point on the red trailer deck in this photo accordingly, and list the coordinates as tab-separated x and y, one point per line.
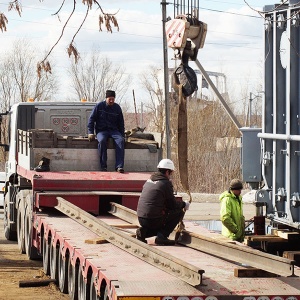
127	277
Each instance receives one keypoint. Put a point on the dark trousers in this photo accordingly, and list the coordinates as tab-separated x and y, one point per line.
161	226
102	147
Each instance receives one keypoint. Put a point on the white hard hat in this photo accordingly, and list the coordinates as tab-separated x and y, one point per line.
166	164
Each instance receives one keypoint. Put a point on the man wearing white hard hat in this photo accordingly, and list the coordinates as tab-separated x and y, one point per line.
158	210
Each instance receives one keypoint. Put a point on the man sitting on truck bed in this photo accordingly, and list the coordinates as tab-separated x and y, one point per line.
107	120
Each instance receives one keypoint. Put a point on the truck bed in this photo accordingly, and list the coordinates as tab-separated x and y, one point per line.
131	276
69	153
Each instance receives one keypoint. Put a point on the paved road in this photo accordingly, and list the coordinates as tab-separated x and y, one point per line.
210	211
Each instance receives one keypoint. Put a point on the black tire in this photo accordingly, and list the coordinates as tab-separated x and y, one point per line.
73	281
63	273
9	233
46	256
82	287
20	229
31	251
54	252
93	291
106	294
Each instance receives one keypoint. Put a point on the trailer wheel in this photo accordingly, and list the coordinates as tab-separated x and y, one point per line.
20	228
106	297
9	233
82	287
73	280
93	290
63	273
31	251
46	256
54	252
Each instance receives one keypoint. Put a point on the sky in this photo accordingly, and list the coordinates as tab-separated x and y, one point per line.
233	45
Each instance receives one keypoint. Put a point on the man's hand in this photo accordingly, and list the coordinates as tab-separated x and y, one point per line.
91	137
187	205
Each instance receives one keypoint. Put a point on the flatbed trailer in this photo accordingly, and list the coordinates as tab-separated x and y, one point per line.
108	270
65	217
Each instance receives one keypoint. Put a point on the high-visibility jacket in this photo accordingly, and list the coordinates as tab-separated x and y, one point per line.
231	215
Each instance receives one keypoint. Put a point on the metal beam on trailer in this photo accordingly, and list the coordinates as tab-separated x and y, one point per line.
241	254
153	256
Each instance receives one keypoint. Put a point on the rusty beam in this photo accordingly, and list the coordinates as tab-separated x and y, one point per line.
164	261
229	251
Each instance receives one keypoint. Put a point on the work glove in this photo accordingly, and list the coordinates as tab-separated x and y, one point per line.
91	137
187	205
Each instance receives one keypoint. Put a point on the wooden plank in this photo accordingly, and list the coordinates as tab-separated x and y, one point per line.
289	235
96	241
125	226
36	283
243	272
264	238
293	255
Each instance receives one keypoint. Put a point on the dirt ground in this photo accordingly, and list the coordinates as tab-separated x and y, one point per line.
15	267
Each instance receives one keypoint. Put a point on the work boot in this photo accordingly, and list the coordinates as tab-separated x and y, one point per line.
120	170
141	234
162	240
43	166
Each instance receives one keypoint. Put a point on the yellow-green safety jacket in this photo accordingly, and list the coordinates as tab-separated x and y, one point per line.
231	214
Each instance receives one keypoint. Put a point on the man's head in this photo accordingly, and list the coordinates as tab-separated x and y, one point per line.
166	166
236	186
110	97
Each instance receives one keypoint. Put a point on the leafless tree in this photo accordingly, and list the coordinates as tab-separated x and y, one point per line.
108	20
18	80
151	83
94	73
213	155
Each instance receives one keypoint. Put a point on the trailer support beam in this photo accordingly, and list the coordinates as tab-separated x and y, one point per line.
164	261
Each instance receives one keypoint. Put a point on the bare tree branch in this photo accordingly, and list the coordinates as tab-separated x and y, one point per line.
3	22
42	64
108	19
16	5
59	8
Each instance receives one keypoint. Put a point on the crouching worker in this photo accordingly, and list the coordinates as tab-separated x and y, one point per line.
231	213
158	210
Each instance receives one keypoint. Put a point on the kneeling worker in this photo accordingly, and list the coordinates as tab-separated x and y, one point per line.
158	210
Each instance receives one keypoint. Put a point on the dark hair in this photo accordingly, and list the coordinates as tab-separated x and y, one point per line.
163	171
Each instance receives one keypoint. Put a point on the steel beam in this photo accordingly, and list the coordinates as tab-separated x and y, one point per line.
223	102
164	261
240	254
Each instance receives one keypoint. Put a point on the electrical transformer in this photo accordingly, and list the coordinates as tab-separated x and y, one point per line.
279	190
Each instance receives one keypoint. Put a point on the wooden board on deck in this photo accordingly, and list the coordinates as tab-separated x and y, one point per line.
96	241
250	272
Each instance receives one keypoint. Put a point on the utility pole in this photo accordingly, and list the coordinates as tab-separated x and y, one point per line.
166	79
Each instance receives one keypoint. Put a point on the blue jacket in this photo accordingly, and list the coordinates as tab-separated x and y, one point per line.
105	118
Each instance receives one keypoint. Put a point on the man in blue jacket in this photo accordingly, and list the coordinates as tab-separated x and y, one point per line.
231	213
106	120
